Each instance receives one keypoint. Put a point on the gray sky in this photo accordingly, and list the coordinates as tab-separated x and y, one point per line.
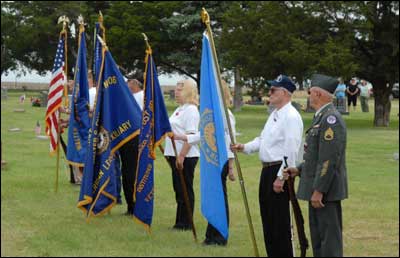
34	77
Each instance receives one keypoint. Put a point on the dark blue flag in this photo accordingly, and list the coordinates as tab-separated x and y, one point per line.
155	127
79	122
213	154
116	120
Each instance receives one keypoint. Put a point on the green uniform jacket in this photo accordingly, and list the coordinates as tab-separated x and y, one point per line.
324	165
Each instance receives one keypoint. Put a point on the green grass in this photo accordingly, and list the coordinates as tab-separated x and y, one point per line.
36	221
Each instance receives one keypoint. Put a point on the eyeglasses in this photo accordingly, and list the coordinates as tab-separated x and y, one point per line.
273	90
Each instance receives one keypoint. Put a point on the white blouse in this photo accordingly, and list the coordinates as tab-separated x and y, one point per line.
184	120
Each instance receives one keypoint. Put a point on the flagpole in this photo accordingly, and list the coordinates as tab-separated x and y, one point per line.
180	172
206	20
64	20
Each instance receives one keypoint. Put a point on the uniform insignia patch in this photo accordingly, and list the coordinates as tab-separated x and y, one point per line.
328	136
324	168
331	119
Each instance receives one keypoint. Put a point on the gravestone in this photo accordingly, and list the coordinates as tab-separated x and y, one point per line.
43	98
309	109
172	94
4	93
340	105
296	105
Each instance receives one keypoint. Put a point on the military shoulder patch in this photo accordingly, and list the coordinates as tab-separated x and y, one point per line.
329	134
331	119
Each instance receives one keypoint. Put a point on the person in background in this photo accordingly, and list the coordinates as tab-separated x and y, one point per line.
352	92
340	94
135	86
365	92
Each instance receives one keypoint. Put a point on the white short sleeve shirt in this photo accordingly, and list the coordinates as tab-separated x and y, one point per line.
184	120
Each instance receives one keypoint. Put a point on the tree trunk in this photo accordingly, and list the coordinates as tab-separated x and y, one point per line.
237	98
382	106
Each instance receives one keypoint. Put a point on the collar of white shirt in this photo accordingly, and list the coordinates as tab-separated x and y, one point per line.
278	113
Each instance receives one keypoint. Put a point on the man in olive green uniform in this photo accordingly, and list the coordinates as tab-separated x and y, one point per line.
323	176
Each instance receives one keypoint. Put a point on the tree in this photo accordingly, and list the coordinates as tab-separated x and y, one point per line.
31	33
372	28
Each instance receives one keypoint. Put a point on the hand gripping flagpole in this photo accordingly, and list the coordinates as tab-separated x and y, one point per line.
64	19
180	170
206	20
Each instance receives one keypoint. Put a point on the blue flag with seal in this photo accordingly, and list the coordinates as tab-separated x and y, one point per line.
79	122
116	120
213	150
155	127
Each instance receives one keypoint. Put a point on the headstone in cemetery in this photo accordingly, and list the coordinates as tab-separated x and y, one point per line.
309	109
43	98
172	94
4	93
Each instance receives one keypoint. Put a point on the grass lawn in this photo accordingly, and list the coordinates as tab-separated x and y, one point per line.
36	221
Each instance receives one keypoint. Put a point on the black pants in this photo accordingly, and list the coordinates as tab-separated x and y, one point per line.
71	171
182	221
274	209
352	99
129	158
212	234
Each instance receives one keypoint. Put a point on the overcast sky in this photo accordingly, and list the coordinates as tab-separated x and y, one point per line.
34	77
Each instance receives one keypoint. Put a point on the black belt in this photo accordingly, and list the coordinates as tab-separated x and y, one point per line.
273	163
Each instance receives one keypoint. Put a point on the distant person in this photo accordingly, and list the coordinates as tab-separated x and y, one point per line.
340	94
92	91
365	92
352	92
135	86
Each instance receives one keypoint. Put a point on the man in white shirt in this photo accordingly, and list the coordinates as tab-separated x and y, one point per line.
135	86
280	137
92	91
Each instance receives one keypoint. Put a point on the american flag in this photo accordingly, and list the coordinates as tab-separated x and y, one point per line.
54	98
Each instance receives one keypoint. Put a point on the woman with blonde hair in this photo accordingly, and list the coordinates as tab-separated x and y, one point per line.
213	237
184	120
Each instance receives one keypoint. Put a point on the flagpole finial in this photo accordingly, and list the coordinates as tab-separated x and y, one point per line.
81	23
63	19
147	42
204	16
100	17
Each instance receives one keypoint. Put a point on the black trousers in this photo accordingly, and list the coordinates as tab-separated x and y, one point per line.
71	171
352	99
182	221
274	209
129	158
212	234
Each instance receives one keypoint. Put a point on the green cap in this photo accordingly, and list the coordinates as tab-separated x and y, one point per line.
324	82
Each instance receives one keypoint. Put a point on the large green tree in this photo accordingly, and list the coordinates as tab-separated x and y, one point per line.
372	28
30	33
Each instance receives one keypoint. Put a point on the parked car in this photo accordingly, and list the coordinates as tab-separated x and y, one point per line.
395	90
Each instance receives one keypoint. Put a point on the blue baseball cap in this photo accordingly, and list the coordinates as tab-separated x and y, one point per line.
284	82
